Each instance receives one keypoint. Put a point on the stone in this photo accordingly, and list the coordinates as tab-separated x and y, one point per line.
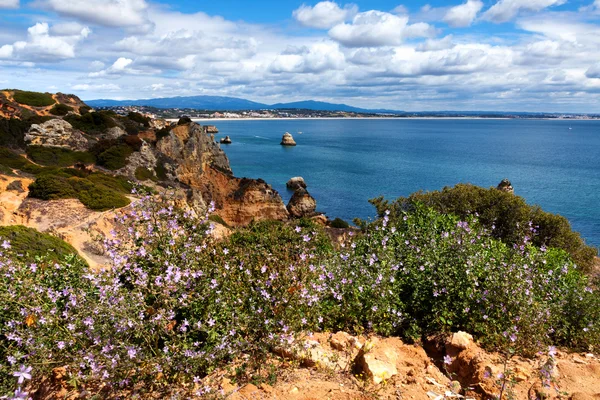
16	186
378	362
226	140
296	183
56	133
144	158
288	140
114	133
211	129
302	204
341	341
506	186
461	340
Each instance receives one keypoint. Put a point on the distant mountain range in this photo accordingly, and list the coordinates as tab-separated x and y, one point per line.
219	103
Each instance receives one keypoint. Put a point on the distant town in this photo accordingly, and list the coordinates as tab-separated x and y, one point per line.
173	113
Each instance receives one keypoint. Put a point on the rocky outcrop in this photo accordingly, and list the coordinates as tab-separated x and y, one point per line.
56	133
288	140
296	183
114	133
144	158
191	157
226	140
211	129
506	186
302	204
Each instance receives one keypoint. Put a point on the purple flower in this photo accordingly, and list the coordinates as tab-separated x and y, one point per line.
552	351
447	359
23	373
131	352
6	245
19	395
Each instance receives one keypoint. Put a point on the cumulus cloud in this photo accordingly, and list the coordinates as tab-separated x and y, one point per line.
593	72
324	15
464	14
112	13
41	45
505	10
376	28
9	3
435	45
110	87
319	57
119	67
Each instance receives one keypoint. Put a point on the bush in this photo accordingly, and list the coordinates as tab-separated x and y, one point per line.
10	159
27	244
507	216
162	133
33	99
95	192
60	109
184	121
161	171
339	224
139	118
144	174
58	157
84	109
93	123
115	157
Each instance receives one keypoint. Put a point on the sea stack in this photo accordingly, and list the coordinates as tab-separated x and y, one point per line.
296	183
506	186
288	140
302	204
226	140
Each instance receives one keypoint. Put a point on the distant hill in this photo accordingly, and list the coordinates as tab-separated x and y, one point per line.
218	103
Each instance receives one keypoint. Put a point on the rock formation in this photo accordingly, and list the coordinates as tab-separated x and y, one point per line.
226	140
296	183
56	133
302	204
506	186
211	129
288	140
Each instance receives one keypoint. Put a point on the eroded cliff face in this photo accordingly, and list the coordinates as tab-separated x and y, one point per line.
192	157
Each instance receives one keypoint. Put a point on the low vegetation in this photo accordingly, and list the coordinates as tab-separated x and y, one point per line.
12	130
144	174
176	304
34	99
58	157
60	109
508	218
28	244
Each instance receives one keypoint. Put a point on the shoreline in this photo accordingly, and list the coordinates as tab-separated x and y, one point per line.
380	118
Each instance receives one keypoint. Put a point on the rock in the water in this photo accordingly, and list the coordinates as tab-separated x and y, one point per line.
211	129
296	183
56	133
288	140
506	186
226	140
302	204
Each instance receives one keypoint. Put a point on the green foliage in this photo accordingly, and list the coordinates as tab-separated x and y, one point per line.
339	224
97	192
30	244
58	157
10	159
161	171
93	123
162	133
60	109
12	132
33	99
507	216
115	157
139	118
144	174
218	219
84	109
184	121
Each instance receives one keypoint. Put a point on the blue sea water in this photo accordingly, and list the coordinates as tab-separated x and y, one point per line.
347	162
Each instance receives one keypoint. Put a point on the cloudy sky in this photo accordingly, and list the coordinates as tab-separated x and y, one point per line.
522	55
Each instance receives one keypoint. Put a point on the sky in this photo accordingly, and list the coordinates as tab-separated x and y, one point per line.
481	55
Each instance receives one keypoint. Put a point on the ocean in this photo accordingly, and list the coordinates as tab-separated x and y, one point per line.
346	162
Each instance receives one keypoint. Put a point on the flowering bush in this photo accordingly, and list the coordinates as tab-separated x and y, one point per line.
174	303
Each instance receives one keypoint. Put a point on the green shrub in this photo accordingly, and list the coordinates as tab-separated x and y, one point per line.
93	123
115	157
12	132
10	159
58	157
84	109
93	194
163	132
33	99
60	109
339	224
144	174
184	121
117	183
218	219
507	216
28	243
139	118
161	171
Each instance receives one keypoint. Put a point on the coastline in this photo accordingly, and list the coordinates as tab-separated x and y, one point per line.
379	118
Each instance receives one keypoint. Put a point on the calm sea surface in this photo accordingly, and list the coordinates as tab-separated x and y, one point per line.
347	162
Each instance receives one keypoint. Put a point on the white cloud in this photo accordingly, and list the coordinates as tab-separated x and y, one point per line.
401	9
318	58
102	87
505	10
119	67
42	46
435	45
113	13
324	15
464	14
593	72
9	3
376	28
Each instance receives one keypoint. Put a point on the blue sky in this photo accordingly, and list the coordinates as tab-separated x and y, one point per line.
534	55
